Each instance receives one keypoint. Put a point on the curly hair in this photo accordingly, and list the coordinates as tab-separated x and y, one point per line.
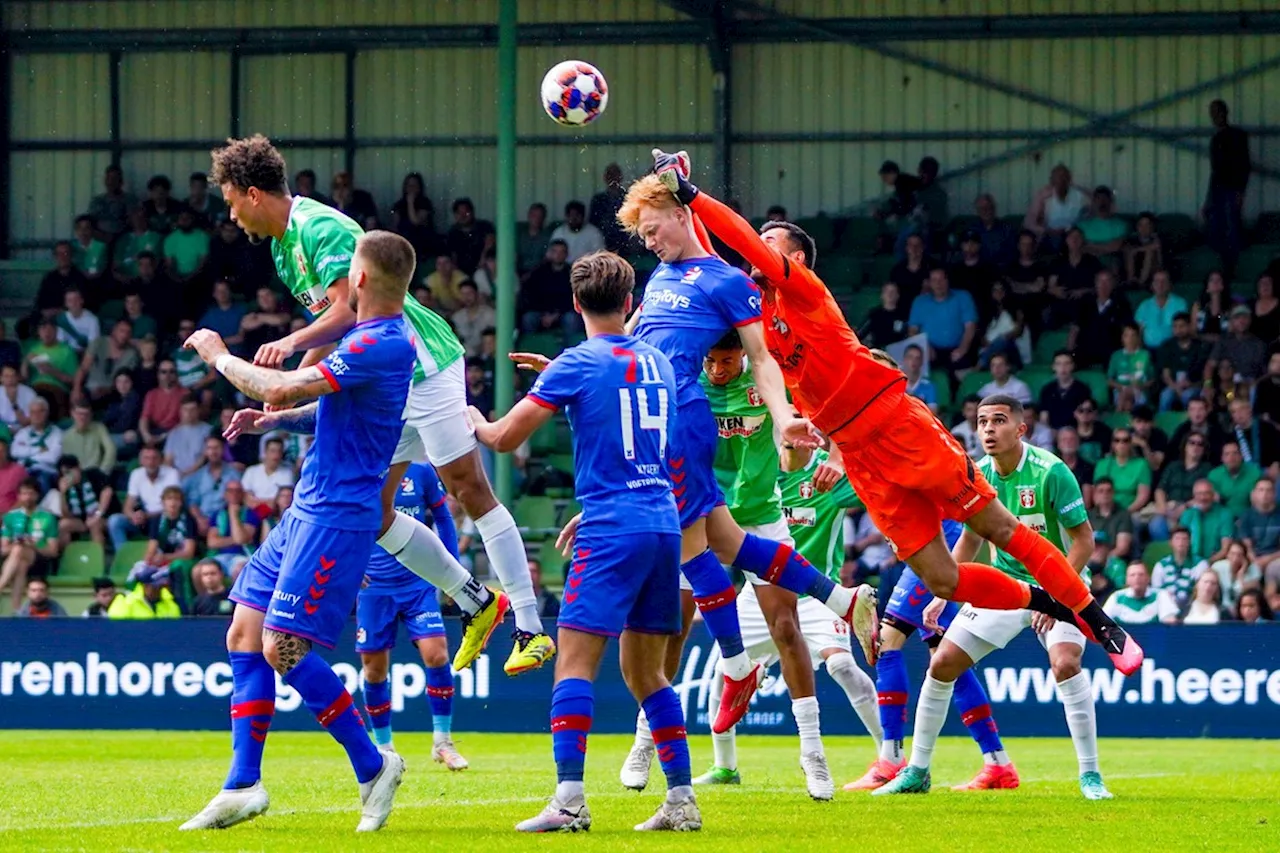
250	162
648	191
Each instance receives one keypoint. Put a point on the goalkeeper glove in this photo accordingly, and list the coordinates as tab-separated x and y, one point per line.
673	171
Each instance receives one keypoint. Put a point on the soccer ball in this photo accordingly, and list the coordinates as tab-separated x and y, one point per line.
574	93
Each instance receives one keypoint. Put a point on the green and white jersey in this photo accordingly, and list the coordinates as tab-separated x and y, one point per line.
316	251
1043	494
746	463
816	520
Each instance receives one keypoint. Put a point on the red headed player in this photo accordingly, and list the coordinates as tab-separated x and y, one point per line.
903	463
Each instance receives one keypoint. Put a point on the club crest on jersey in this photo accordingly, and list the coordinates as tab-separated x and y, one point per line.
1027	497
806	489
406	485
361	635
753	397
691	275
301	260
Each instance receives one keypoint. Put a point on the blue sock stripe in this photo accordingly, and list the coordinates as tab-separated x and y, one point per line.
783	566
975	712
323	694
253	696
893	692
666	723
440	691
714	592
572	705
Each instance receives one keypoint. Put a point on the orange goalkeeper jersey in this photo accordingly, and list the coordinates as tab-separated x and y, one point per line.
830	373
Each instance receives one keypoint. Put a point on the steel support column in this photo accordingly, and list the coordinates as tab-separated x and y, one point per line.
349	137
504	378
114	62
6	118
720	47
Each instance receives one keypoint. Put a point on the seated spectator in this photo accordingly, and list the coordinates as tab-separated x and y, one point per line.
263	481
1155	314
10	351
124	409
233	532
110	208
1103	318
1199	422
911	274
948	320
1060	398
1181	361
918	383
15	399
533	240
1111	519
1211	525
900	206
295	444
1259	440
186	248
579	236
1177	572
150	598
88	440
172	536
468	237
873	554
28	542
486	277
162	407
932	202
604	210
1234	479
546	299
1259	528
1205	604
1038	434
488	352
193	374
347	198
204	489
966	429
1266	397
1067	441
1006	332
1236	573
1246	353
77	327
233	259
207	209
213	598
1028	280
1211	314
265	324
1266	310
413	216
1174	488
140	324
104	593
224	315
38	604
999	238
1104	232
38	445
63	277
90	255
479	389
161	208
886	323
1138	603
143	501
1003	381
304	185
80	502
1130	372
1149	441
184	444
1143	253
12	473
472	317
139	238
102	360
1252	608
1072	280
1055	209
971	273
284	499
1095	436
50	366
1130	473
548	604
445	284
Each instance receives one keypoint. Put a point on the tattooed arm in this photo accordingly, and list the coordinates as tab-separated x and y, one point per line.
276	387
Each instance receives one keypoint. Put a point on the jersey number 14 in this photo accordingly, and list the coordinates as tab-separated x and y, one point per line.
636	400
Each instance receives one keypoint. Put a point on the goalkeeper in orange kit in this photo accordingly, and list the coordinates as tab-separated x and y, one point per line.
902	462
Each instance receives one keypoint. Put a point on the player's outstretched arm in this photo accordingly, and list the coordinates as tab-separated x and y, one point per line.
797	431
276	387
335	322
512	429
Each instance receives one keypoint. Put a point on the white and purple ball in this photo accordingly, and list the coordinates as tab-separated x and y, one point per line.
574	93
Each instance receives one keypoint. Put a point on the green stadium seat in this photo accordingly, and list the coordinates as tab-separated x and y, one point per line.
971	383
860	235
126	555
1097	382
881	267
543	440
544	343
561	462
841	273
568	511
1036	378
859	304
82	561
1168	423
1198	263
1267	228
1155	552
1116	420
1253	262
942	385
1051	340
822	229
535	515
1189	290
553	562
1178	232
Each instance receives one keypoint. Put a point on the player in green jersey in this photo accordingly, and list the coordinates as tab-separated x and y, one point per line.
312	245
1039	489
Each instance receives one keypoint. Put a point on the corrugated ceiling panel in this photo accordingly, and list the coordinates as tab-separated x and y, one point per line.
296	97
48	189
61	97
175	96
431	93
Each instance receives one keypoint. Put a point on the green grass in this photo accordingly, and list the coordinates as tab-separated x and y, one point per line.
104	791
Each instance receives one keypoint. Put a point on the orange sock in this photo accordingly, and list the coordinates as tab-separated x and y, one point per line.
990	588
1049	567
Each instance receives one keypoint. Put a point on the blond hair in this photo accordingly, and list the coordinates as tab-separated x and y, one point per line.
648	191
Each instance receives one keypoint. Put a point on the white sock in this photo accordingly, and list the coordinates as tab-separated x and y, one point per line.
724	746
805	710
840	600
643	736
505	547
1082	721
891	750
679	793
737	667
861	690
1000	758
570	793
419	549
931	713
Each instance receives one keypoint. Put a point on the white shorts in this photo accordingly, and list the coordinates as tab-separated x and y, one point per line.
436	425
821	629
980	632
775	530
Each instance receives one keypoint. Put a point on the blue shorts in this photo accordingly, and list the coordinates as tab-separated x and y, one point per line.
691	456
379	610
305	578
910	595
623	581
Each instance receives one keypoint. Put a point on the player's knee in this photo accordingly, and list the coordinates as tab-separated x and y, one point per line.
947	664
1064	666
891	639
943	586
785	631
374	667
434	654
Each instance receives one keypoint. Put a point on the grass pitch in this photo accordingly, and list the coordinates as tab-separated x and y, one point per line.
109	791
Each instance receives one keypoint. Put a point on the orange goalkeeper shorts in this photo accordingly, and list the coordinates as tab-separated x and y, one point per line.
912	473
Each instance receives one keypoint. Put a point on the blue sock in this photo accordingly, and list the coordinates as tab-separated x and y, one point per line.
781	565
713	592
892	692
666	723
572	701
975	712
323	694
440	697
377	704
253	702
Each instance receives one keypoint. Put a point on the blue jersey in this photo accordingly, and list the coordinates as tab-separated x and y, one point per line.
617	392
420	496
357	427
688	307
